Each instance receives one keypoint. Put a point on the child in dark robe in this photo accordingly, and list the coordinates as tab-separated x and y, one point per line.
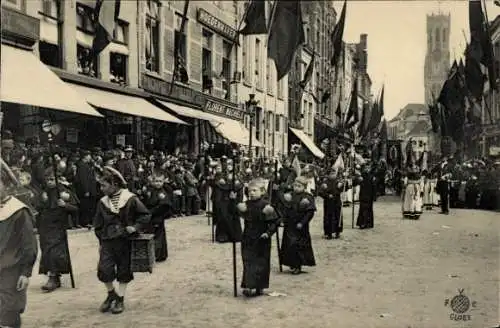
18	251
367	195
54	205
260	224
160	203
120	215
299	209
330	191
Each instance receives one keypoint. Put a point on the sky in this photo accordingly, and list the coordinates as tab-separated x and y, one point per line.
397	42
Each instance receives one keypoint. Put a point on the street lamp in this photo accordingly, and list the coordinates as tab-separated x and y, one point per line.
250	110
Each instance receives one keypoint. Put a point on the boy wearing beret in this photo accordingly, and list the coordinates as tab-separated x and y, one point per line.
120	214
299	209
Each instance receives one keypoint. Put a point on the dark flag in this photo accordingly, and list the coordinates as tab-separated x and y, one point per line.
364	119
337	35
434	114
308	74
255	18
106	13
453	99
481	39
410	154
352	114
338	113
285	36
474	77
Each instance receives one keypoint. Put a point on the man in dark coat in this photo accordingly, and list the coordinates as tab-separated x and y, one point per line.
367	195
86	189
443	189
330	190
127	169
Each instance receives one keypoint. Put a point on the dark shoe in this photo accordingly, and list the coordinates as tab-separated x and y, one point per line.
296	271
247	292
108	303
259	292
337	235
52	284
328	237
118	305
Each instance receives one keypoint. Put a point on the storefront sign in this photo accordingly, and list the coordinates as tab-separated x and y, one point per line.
222	109
216	24
161	87
19	27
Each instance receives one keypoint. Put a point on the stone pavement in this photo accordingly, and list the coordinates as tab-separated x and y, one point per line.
400	274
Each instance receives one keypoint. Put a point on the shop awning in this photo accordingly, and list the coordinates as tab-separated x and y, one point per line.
306	140
235	132
128	105
26	80
191	112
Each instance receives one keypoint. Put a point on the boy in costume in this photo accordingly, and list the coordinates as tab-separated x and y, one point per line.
260	223
120	215
55	204
330	191
299	208
159	201
18	251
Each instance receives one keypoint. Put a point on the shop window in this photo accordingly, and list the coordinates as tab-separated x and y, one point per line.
118	68
48	47
226	69
85	19
87	64
152	37
49	54
207	61
120	33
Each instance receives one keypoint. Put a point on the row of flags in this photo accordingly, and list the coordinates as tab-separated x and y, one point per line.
461	95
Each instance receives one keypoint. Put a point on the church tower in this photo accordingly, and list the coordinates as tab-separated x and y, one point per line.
437	59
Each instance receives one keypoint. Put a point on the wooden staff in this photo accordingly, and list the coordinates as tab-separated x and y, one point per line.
352	184
278	244
235	275
66	244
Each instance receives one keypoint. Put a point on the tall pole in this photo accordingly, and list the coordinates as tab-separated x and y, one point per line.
250	106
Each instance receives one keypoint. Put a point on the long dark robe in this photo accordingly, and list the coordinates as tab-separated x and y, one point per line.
86	183
160	204
52	222
18	251
330	191
225	216
255	251
367	195
296	249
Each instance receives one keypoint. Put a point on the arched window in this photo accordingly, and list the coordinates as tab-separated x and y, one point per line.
444	35
438	35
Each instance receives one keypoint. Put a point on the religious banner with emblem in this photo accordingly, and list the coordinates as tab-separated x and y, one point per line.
394	153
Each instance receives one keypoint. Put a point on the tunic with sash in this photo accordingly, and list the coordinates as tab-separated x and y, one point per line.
18	251
412	195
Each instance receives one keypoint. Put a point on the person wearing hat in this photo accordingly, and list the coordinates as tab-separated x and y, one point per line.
191	187
54	205
260	224
299	209
159	200
120	214
86	188
443	189
126	167
18	249
330	190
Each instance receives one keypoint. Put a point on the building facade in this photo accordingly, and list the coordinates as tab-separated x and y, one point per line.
258	77
131	80
309	108
490	143
437	58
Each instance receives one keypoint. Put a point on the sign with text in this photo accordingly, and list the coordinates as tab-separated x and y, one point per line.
205	18
222	109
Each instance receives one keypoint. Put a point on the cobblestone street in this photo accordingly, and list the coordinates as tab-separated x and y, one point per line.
400	274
